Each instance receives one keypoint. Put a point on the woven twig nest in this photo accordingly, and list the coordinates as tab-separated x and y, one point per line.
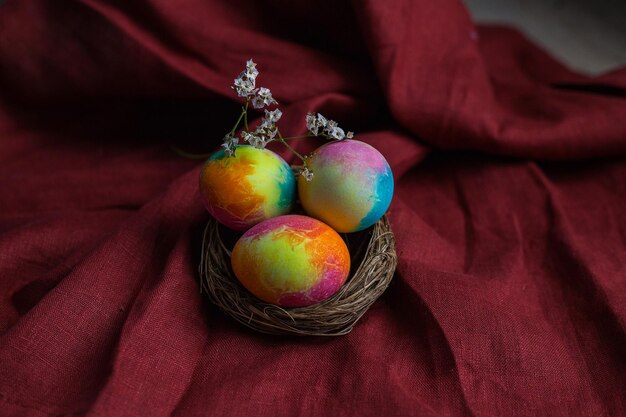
373	258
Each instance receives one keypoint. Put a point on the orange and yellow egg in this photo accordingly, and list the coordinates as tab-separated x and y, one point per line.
244	189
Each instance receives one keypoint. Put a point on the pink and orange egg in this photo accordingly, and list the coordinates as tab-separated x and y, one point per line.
291	261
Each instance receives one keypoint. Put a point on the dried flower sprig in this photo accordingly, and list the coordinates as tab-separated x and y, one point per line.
230	144
267	131
306	173
246	82
318	125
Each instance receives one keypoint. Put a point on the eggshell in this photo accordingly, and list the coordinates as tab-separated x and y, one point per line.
291	261
243	190
352	185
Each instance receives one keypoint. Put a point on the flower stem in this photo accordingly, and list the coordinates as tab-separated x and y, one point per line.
299	137
280	138
244	116
189	155
232	131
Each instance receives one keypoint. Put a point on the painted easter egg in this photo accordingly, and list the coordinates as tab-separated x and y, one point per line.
351	188
291	261
247	188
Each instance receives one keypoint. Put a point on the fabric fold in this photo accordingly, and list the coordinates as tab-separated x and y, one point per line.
508	299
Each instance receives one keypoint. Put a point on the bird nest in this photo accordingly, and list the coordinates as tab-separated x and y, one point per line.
373	259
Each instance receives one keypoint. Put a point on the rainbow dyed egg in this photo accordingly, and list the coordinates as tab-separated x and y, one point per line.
247	188
291	261
352	185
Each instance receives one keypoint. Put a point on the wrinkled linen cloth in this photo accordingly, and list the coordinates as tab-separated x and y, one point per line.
510	294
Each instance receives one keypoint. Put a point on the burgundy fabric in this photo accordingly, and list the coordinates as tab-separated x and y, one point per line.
510	293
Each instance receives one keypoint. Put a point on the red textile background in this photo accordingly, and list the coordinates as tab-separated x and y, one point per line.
510	294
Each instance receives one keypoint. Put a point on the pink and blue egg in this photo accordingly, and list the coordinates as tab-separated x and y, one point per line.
352	185
247	188
291	261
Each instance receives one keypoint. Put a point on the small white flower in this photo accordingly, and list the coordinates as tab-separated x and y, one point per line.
246	136
268	133
267	129
251	71
230	144
336	133
263	98
244	86
258	143
329	126
316	121
321	120
349	135
254	140
311	123
272	117
245	83
306	174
